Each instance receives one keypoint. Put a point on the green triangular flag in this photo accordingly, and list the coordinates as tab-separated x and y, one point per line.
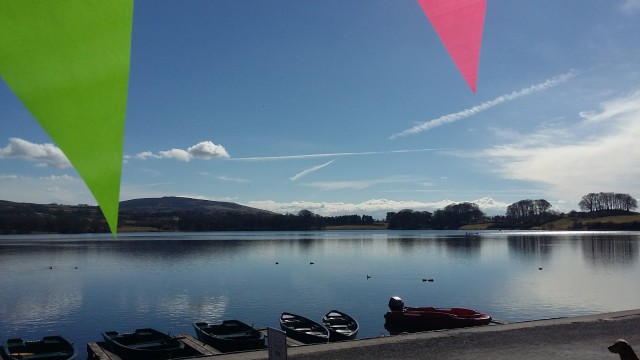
68	62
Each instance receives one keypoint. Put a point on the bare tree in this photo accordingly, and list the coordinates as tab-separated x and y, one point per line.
525	210
607	201
588	202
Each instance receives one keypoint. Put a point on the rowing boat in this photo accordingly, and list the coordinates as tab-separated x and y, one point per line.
303	329
230	335
340	325
147	344
49	348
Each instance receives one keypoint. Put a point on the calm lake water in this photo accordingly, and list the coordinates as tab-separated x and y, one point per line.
81	285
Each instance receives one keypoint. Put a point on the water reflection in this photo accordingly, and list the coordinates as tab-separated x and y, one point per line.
211	308
465	246
167	251
40	305
531	246
169	281
460	246
406	244
622	250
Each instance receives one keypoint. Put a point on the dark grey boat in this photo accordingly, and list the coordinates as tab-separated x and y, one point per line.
303	329
230	335
147	344
340	325
49	348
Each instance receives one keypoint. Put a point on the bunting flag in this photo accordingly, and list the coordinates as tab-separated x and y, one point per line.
459	25
68	62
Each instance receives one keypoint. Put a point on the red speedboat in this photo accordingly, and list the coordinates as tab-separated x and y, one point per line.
402	318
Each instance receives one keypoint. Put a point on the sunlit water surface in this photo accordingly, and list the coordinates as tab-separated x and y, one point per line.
81	285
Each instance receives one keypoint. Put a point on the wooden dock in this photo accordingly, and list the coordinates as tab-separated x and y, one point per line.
96	350
290	342
193	348
199	346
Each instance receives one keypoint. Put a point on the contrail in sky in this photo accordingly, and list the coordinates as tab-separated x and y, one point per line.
311	156
428	125
309	171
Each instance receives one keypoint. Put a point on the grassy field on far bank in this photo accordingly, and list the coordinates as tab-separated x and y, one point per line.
569	223
482	226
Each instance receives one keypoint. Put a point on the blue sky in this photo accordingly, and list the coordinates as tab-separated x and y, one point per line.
355	107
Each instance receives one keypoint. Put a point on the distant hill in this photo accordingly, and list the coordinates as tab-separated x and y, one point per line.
154	214
171	204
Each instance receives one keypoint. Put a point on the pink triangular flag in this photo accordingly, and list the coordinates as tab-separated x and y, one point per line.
459	24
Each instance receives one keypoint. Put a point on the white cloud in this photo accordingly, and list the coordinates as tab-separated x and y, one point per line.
490	205
204	150
50	155
61	189
310	170
630	6
341	185
57	178
358	184
207	150
307	156
613	109
145	155
177	154
446	119
587	157
232	179
374	207
8	177
44	154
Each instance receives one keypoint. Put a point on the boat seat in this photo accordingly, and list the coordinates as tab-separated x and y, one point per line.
338	321
315	333
50	355
147	345
243	336
19	353
50	341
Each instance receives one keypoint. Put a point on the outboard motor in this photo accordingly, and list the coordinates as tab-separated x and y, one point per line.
396	304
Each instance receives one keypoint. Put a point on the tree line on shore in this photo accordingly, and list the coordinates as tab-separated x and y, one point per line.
524	214
54	218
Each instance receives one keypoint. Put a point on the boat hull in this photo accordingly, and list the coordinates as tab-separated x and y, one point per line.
303	329
230	336
340	325
430	318
147	344
49	348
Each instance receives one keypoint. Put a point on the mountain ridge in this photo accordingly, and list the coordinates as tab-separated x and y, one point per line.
167	204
